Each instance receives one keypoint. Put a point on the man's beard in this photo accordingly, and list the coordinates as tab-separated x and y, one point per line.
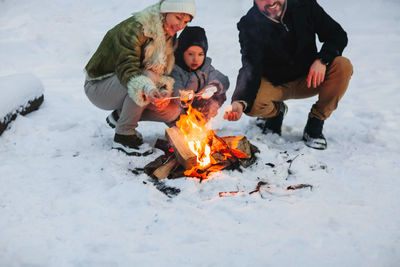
278	12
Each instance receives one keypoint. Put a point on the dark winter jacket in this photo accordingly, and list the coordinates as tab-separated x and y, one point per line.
283	51
198	79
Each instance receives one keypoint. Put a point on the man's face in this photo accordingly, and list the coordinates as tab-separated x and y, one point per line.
272	8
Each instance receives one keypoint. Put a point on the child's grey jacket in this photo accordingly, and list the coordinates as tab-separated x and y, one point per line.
197	80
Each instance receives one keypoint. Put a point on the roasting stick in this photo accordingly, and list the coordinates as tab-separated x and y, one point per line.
188	96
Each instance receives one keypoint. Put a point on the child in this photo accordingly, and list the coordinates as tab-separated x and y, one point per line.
194	73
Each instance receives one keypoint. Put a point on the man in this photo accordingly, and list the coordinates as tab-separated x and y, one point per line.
280	61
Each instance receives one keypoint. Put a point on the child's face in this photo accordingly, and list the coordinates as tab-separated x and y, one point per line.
194	57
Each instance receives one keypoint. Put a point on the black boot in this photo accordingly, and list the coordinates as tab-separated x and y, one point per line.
274	124
313	136
130	144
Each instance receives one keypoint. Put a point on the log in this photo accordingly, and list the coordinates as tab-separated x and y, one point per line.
163	145
182	151
20	94
155	164
239	143
164	170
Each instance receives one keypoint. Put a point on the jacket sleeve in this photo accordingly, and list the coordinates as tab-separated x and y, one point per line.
216	78
178	75
330	33
129	44
249	77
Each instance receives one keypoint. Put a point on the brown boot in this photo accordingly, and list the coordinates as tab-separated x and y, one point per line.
130	144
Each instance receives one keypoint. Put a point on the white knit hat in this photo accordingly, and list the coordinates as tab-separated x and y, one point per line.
179	6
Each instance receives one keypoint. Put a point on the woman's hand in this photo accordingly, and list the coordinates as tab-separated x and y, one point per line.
234	113
158	99
152	75
317	74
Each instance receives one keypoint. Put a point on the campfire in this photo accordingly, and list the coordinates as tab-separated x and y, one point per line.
194	150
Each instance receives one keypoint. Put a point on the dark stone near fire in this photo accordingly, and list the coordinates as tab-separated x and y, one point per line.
248	162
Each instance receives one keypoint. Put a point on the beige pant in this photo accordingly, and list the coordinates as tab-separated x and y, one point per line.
329	93
109	94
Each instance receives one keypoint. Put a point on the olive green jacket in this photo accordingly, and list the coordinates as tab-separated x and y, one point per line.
133	45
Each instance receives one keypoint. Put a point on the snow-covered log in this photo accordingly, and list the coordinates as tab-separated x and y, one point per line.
19	94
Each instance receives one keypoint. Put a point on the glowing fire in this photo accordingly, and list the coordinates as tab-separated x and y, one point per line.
213	153
197	136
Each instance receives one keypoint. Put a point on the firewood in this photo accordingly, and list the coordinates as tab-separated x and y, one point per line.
239	145
164	170
299	186
182	151
163	145
155	164
258	187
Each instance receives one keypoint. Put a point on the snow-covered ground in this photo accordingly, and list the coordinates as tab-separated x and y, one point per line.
66	199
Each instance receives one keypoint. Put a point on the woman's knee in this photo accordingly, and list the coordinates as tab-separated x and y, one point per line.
172	112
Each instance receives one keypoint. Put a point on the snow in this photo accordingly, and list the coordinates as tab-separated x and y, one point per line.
16	90
66	199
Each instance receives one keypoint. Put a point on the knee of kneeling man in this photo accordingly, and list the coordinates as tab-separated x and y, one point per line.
344	64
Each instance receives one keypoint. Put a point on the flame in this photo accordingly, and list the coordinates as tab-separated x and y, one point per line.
212	152
196	134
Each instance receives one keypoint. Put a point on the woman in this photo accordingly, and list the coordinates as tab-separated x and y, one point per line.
128	71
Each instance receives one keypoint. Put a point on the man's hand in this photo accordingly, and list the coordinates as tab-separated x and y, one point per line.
235	113
317	74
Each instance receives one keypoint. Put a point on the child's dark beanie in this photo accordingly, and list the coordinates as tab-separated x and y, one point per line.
192	36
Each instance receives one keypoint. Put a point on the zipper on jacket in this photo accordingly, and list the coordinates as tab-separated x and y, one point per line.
285	26
198	81
280	21
282	16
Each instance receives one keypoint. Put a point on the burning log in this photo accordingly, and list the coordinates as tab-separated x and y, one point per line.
239	146
199	150
183	153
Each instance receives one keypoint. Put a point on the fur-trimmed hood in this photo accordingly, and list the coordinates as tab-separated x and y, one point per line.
157	51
